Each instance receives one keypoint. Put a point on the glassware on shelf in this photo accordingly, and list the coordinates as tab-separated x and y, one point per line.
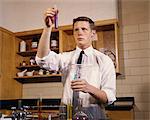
34	43
39	104
63	112
32	61
22	46
54	44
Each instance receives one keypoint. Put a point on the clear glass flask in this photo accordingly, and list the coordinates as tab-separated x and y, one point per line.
79	113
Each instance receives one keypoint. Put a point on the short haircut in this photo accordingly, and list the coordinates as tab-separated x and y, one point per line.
83	18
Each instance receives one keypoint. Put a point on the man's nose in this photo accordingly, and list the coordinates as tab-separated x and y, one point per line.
80	31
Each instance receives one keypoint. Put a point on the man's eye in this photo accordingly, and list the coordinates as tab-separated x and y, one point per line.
76	29
84	29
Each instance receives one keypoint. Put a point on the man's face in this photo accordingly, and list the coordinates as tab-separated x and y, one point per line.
82	34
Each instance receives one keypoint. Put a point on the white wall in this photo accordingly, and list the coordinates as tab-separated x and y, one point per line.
20	15
0	12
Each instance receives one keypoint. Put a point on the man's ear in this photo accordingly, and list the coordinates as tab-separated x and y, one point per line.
94	35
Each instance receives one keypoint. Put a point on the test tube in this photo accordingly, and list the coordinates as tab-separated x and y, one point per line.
56	17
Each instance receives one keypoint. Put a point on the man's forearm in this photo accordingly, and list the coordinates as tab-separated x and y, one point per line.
44	43
98	94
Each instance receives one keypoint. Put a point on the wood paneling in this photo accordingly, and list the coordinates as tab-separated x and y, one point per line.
9	87
68	40
120	115
0	61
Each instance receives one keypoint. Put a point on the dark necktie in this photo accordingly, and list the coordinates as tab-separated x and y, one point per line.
76	94
80	57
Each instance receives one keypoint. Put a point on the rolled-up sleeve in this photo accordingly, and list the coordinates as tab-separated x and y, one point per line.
109	80
49	62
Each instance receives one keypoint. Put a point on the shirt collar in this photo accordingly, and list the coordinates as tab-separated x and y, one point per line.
88	51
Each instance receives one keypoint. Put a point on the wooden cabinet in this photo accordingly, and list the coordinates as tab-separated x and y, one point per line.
121	109
30	37
120	115
9	88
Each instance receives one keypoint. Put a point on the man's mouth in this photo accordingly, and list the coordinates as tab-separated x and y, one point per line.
80	39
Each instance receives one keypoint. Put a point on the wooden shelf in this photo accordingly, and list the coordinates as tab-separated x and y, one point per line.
33	53
27	53
29	67
28	36
39	78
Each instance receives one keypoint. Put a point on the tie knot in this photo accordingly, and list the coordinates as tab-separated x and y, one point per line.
82	52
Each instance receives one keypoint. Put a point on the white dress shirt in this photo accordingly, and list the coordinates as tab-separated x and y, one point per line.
101	68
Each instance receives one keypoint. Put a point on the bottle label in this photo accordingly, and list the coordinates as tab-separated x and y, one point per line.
34	45
53	43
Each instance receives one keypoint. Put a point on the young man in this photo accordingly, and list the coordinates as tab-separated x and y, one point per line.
100	88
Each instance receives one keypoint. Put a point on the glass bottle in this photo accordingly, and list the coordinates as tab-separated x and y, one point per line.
22	46
39	105
69	109
79	113
34	43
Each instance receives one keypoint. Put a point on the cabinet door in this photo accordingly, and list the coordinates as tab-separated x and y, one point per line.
10	89
121	115
0	63
0	53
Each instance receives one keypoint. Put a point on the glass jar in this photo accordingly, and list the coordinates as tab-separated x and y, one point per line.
34	44
22	46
